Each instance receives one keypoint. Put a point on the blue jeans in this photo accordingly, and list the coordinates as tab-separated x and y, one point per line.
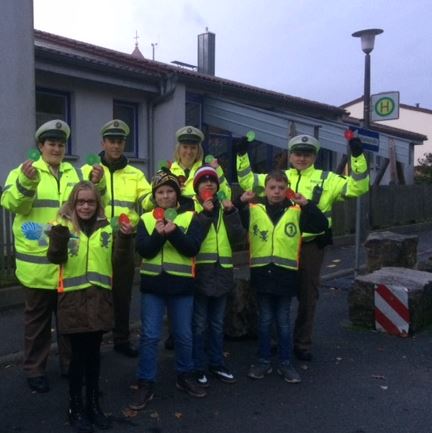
274	308
180	310
208	316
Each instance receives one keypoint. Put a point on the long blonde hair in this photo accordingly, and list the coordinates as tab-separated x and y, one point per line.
199	157
68	210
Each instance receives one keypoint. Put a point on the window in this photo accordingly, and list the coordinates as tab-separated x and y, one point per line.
128	112
50	105
193	115
324	160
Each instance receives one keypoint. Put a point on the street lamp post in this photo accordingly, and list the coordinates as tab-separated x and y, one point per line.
367	44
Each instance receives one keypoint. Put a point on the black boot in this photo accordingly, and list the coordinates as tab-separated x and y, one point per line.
77	417
94	412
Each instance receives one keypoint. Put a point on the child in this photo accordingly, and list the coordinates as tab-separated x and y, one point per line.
82	245
214	275
275	228
167	243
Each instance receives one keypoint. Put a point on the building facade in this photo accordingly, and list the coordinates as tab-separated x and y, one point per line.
87	85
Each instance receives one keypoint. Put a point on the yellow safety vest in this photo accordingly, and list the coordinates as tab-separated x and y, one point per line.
278	244
323	187
168	259
38	203
187	188
216	246
128	190
89	261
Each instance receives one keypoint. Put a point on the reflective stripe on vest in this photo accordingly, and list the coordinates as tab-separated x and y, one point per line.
24	191
274	259
46	203
91	277
40	260
123	203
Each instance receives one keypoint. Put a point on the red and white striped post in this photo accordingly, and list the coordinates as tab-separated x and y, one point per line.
391	310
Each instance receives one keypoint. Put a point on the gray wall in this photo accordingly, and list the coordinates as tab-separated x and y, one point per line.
168	117
92	107
17	99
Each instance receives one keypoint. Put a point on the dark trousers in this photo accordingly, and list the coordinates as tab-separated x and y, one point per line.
40	305
311	259
85	362
123	275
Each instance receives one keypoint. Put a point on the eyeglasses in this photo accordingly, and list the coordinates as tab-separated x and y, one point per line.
82	202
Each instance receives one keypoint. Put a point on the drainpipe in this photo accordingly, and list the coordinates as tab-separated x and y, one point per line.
167	87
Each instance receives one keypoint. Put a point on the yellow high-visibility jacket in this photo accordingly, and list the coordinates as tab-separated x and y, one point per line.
36	203
322	187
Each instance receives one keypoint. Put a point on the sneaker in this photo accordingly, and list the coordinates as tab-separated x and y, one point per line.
142	395
303	355
202	379
126	349
38	384
258	371
187	382
289	373
223	374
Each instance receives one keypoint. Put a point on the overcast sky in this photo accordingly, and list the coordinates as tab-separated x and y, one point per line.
299	47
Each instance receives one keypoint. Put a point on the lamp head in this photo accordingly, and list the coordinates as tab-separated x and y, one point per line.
367	38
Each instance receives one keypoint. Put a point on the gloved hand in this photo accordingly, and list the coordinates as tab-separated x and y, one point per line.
58	244
241	145
356	147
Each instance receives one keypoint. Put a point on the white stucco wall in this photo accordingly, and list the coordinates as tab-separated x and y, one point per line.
410	120
17	99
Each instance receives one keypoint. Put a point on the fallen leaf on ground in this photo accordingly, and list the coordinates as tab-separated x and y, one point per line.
226	354
154	414
384	387
129	413
338	358
331	266
178	415
336	260
378	376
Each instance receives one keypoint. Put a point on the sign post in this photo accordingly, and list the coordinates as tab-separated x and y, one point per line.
385	106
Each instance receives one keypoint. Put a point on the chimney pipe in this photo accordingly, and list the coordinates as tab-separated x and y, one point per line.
206	53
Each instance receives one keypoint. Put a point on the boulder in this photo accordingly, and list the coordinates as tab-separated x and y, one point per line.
417	283
425	265
390	249
241	312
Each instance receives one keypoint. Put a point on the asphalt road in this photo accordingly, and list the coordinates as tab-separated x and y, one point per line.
360	381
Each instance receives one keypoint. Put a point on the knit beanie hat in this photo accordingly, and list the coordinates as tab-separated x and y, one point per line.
205	173
165	177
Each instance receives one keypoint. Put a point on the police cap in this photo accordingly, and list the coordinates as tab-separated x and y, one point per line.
55	129
303	143
189	135
115	128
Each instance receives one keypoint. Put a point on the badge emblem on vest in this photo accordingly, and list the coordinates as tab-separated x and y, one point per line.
263	234
73	246
105	239
290	230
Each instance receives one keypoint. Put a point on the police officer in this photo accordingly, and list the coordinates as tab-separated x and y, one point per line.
34	191
188	158
324	188
129	190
